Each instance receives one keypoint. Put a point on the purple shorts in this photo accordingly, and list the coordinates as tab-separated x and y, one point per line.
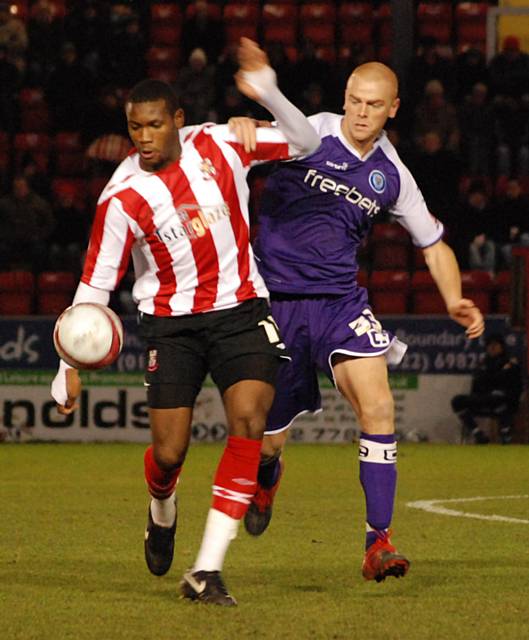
315	328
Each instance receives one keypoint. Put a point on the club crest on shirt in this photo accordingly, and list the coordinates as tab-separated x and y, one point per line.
152	365
377	180
207	168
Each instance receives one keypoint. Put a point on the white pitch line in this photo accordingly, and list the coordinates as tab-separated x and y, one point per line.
433	506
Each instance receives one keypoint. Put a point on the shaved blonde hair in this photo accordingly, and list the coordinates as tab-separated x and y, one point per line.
379	72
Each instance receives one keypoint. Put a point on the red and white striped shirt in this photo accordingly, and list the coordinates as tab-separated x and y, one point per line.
186	226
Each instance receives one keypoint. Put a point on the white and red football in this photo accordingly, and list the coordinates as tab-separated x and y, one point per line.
88	335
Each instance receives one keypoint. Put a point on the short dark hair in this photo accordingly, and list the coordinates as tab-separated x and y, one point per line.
150	90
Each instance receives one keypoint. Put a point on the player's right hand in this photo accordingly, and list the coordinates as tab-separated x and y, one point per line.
66	388
469	316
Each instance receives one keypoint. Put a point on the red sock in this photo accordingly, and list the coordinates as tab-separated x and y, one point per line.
160	483
236	478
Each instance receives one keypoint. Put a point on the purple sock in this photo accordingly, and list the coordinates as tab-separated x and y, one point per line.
378	476
268	473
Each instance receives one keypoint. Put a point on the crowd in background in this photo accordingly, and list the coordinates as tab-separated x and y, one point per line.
463	127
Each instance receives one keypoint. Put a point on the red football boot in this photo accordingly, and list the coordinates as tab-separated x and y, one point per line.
382	560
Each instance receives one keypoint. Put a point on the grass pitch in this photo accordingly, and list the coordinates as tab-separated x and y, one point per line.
71	549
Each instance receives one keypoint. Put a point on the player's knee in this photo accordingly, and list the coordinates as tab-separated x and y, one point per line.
377	411
169	457
248	424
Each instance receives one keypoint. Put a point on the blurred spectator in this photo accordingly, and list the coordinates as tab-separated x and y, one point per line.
429	65
125	48
495	392
308	69
202	30
436	170
476	119
314	100
69	90
232	104
104	115
13	36
513	220
44	32
69	236
26	223
475	216
196	88
512	135
9	86
283	67
482	253
471	68
226	69
509	70
435	113
86	25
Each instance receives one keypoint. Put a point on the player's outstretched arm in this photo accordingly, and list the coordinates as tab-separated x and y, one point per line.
66	386
257	80
443	266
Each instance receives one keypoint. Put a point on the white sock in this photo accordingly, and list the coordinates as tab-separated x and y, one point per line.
219	532
164	511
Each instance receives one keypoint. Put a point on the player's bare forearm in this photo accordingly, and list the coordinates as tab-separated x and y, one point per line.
443	266
244	129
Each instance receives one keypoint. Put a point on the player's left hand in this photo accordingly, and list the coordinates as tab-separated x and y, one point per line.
469	316
244	128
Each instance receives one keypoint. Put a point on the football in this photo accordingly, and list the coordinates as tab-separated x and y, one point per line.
88	336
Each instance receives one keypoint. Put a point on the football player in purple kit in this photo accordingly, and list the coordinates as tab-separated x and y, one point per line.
314	214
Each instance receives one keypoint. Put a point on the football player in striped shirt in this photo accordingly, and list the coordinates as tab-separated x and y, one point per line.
178	207
313	216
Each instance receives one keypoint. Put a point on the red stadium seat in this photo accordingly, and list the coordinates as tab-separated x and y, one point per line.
317	22
213	11
166	12
383	24
355	24
502	287
35	146
57	7
478	285
362	277
162	63
77	187
471	24
5	151
68	154
34	113
390	246
434	20
389	291
16	292
425	297
241	19
19	8
418	261
280	23
55	291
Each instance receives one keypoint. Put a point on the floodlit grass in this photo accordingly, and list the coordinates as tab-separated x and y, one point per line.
71	549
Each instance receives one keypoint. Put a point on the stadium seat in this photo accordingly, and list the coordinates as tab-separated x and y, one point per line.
362	278
425	298
16	292
478	285
19	8
502	289
34	113
383	24
162	63
418	261
280	23
35	146
389	291
68	154
77	187
317	22
471	24
390	247
55	291
5	151
214	11
57	7
241	19
166	25
355	24
434	20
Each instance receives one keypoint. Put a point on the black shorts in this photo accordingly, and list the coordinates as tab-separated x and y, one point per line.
241	343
